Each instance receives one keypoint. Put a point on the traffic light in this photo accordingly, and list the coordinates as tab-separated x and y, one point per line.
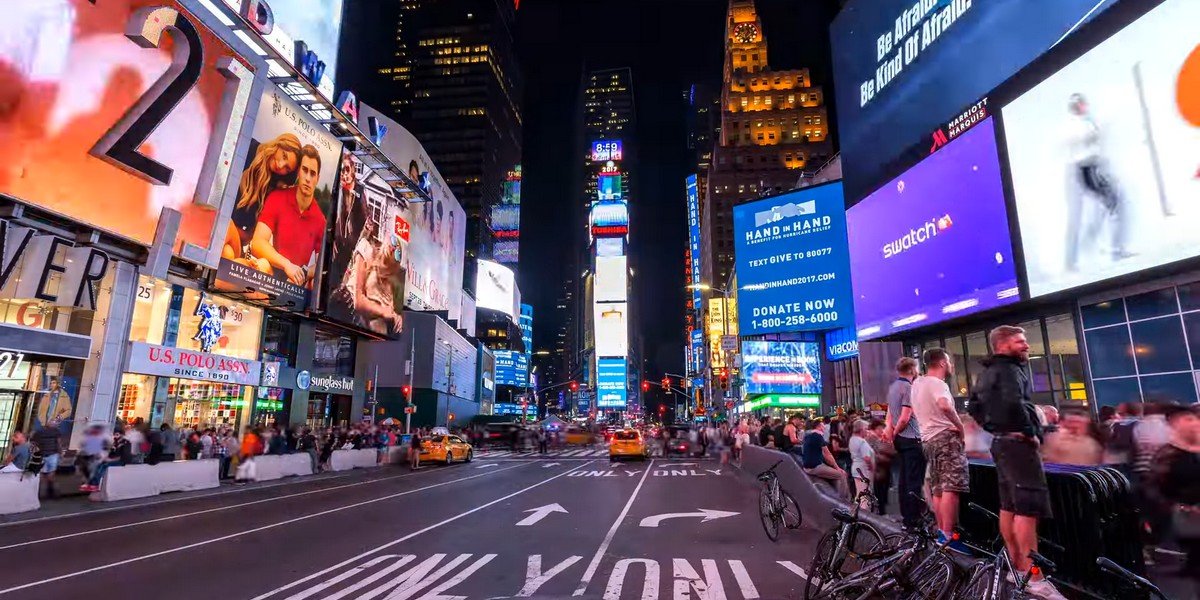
666	383
645	386
724	381
574	386
407	393
662	409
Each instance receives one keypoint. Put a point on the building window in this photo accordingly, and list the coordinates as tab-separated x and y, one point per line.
791	98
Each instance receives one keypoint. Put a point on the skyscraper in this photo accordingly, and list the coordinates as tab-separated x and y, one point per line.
773	126
446	70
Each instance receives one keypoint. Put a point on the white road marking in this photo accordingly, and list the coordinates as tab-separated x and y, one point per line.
437	593
540	513
487	465
246	532
414	534
749	592
612	531
687	580
413	580
791	566
399	561
203	512
548	465
616	581
714	471
708	514
535	578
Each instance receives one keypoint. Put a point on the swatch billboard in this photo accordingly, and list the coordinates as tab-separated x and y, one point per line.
611	386
781	367
902	68
933	244
1103	155
793	269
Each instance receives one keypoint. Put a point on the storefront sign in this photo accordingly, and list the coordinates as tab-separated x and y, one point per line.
332	384
27	257
149	359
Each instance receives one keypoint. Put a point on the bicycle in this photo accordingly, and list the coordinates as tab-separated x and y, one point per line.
989	577
776	507
840	551
1129	577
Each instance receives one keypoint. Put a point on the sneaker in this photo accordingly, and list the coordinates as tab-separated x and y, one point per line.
941	537
958	547
1043	589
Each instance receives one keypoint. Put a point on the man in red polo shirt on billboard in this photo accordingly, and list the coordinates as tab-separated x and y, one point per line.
291	225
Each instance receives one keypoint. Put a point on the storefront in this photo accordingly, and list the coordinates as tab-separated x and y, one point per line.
193	360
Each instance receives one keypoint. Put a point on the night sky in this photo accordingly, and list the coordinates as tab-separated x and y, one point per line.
669	44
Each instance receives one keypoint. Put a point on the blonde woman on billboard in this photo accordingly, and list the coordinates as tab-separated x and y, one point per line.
274	167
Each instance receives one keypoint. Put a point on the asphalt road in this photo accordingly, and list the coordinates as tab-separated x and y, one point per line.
501	527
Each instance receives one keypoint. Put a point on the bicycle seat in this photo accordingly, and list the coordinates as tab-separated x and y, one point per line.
844	515
1045	564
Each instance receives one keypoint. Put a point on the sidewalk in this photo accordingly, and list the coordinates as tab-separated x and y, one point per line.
78	503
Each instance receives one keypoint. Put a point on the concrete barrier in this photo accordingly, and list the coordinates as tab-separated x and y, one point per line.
278	466
344	460
396	455
816	501
140	481
17	493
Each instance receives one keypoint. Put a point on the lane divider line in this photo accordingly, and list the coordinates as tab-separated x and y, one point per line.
612	532
413	534
212	510
127	561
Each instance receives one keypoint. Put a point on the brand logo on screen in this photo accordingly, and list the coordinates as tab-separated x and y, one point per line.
917	236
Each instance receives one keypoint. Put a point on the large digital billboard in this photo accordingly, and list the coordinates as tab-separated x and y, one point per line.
902	68
792	265
371	233
506	220
693	207
1103	155
606	150
608	187
512	368
612	279
933	244
285	198
495	287
609	214
434	263
506	217
781	367
612	329
77	133
611	388
298	28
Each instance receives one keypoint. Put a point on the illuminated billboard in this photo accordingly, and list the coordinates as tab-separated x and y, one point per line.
606	150
612	329
722	320
612	279
495	287
285	198
88	132
693	208
781	367
610	246
512	368
506	217
608	187
612	391
609	214
306	32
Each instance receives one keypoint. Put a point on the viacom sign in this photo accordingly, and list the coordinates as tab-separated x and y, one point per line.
792	262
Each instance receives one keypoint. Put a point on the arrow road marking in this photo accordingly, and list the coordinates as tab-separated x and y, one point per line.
708	514
540	513
486	465
791	566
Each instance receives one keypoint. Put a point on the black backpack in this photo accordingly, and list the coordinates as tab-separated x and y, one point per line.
36	459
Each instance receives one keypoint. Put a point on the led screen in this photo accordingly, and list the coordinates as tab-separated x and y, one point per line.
902	68
1103	155
841	343
506	217
612	279
693	204
506	252
792	265
285	23
933	244
512	368
610	214
781	367
606	150
611	388
611	329
608	187
495	287
610	246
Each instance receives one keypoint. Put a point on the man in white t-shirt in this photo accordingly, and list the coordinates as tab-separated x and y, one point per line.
942	441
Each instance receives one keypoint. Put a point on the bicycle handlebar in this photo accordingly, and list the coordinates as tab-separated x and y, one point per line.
1136	580
771	469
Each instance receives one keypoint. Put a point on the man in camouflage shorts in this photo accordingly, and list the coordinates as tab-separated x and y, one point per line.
942	441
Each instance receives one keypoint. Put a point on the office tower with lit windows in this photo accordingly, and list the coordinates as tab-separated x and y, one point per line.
446	70
773	127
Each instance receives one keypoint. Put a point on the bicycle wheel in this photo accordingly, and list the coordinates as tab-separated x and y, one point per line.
931	579
792	517
862	538
818	571
979	584
766	511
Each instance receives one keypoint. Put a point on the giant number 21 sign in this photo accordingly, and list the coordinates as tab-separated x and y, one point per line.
118	109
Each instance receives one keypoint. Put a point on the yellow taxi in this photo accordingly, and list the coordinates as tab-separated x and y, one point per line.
627	443
446	448
578	436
